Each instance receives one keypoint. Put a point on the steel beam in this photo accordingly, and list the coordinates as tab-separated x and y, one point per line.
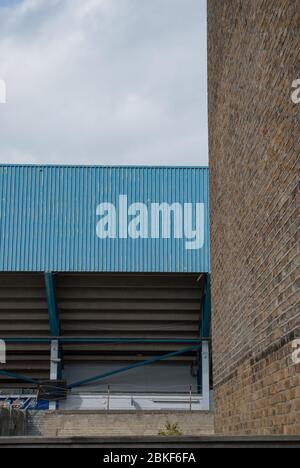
54	322
66	339
54	368
131	340
205	331
52	304
206	318
23	378
205	376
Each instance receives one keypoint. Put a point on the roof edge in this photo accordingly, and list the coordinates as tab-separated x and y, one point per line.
95	166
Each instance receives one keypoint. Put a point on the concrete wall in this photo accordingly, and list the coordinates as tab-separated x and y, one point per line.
12	422
255	199
115	423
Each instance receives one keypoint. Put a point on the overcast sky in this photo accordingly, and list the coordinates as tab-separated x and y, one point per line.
104	82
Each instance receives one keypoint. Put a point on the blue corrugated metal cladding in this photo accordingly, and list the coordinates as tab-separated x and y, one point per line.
104	219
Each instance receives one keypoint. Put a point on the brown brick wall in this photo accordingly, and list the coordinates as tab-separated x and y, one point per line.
255	167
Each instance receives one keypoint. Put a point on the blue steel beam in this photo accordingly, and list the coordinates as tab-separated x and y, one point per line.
205	329
53	312
133	366
63	339
206	317
52	304
19	377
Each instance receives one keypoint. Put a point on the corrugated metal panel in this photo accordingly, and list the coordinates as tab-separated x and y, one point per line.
48	218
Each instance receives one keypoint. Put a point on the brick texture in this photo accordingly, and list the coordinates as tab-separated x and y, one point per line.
255	167
115	423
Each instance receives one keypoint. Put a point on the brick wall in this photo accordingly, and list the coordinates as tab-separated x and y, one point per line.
255	167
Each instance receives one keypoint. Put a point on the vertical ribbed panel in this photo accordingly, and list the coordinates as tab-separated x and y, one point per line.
48	218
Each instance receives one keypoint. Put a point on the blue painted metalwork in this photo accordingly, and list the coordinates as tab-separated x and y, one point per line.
53	313
107	374
62	339
19	377
206	314
131	367
205	329
52	304
48	218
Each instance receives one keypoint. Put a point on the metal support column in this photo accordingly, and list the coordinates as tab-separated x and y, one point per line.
52	304
54	367
205	376
55	354
204	355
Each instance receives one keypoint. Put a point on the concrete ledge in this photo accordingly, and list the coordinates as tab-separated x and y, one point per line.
154	442
116	423
129	413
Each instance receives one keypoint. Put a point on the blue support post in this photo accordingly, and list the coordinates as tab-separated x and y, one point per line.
53	312
52	304
206	319
205	332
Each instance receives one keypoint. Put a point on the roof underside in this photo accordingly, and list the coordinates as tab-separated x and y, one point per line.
147	306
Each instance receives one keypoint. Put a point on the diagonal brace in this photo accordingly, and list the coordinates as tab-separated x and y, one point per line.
133	366
23	378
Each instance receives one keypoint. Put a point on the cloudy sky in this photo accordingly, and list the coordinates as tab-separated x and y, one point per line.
103	81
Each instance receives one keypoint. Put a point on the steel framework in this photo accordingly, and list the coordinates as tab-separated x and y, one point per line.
201	344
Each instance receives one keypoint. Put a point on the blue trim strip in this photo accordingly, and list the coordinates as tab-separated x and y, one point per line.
62	339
